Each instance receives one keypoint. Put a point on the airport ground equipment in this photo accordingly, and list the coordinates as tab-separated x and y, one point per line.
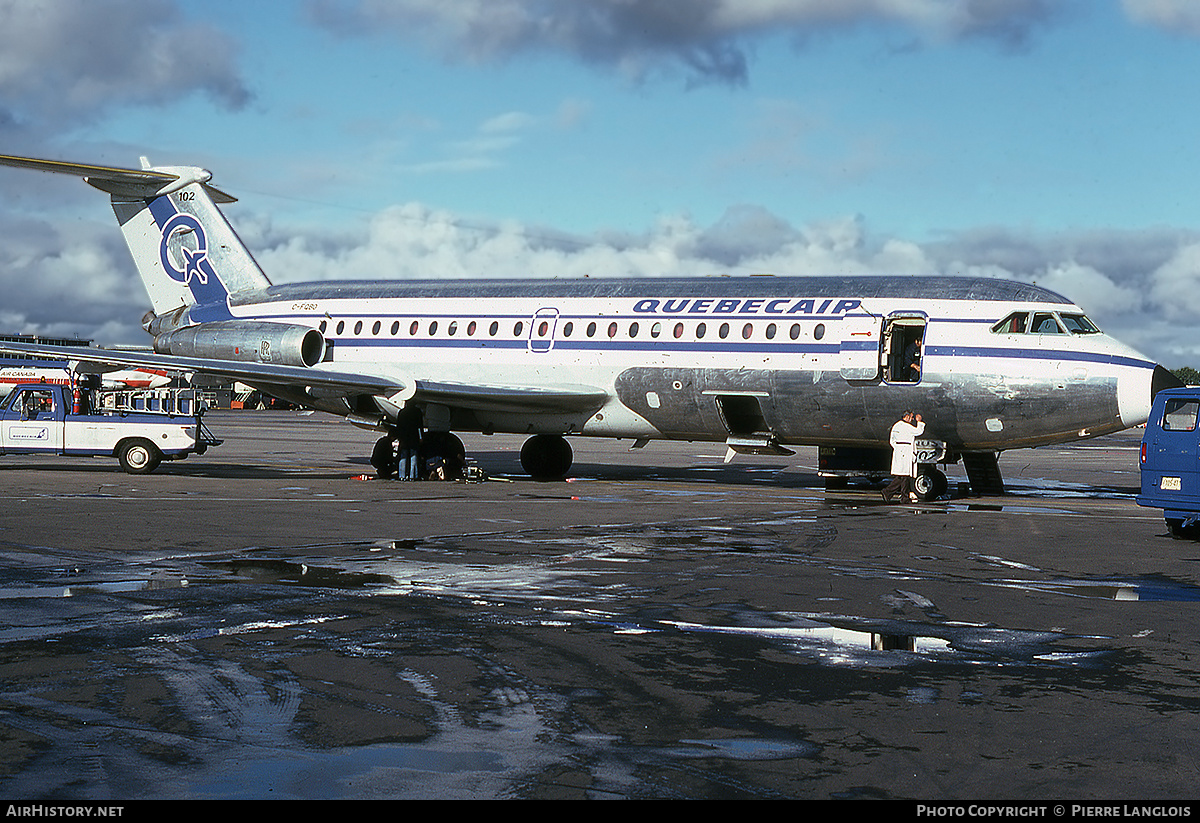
140	429
1170	460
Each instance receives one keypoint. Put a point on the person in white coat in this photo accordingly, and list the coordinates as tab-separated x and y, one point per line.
904	433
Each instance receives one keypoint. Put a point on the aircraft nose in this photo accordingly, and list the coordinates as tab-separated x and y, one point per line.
1163	379
1135	393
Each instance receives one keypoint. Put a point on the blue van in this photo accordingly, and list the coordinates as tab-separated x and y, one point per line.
1170	460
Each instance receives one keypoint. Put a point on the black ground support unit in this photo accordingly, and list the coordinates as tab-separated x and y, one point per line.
983	470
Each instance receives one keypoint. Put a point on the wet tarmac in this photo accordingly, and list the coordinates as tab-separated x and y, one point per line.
258	623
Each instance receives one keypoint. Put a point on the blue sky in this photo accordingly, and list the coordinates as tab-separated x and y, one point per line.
1044	140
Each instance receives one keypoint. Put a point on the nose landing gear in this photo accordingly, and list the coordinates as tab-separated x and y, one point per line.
930	483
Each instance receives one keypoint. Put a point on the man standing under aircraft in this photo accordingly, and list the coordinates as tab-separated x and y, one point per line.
408	427
906	430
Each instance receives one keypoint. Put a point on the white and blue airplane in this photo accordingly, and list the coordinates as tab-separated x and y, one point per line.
760	363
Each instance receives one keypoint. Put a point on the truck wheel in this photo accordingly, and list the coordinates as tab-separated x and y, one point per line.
139	456
1181	532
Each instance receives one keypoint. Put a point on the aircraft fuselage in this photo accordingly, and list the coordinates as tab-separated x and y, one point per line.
809	361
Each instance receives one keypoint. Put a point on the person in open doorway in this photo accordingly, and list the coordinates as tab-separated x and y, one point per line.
408	429
912	361
906	430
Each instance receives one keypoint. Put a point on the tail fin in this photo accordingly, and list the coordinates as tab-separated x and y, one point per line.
184	248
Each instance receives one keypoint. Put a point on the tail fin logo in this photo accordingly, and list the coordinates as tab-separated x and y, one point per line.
186	263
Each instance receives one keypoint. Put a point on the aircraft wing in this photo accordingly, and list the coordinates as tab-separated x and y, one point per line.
560	399
247	372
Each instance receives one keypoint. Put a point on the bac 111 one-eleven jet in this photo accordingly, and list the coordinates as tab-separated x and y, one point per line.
759	363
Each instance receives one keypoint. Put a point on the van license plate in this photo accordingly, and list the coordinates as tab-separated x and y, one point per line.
1169	484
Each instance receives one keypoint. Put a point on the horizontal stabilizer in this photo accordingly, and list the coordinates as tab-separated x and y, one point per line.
141	183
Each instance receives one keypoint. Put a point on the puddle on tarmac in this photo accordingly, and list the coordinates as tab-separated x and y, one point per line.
632	654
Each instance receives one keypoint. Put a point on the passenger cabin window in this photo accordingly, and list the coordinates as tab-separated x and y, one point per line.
1180	415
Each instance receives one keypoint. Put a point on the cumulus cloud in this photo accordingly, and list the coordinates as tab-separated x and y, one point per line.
1177	16
65	62
72	279
707	38
76	278
1138	285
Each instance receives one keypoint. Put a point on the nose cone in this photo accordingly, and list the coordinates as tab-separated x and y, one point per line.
1136	390
1163	379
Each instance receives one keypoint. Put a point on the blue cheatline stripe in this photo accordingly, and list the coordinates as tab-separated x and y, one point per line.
594	346
667	347
1039	354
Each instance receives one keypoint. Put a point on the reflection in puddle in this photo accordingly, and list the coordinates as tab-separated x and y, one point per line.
37	591
1144	589
885	643
752	749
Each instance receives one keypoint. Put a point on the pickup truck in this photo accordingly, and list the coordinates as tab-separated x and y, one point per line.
140	431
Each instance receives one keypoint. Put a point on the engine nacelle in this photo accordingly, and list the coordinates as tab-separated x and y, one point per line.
277	343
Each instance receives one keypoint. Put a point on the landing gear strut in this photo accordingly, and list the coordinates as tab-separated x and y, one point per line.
546	457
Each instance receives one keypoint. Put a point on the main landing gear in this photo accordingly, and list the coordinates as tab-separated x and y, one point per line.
546	457
438	449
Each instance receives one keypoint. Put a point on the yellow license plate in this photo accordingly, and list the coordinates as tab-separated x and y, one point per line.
1170	484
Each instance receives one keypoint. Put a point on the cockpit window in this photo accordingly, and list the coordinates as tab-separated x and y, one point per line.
1079	324
1044	323
1015	323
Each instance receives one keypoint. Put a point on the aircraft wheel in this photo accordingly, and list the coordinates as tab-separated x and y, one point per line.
139	456
383	457
930	483
449	448
546	457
